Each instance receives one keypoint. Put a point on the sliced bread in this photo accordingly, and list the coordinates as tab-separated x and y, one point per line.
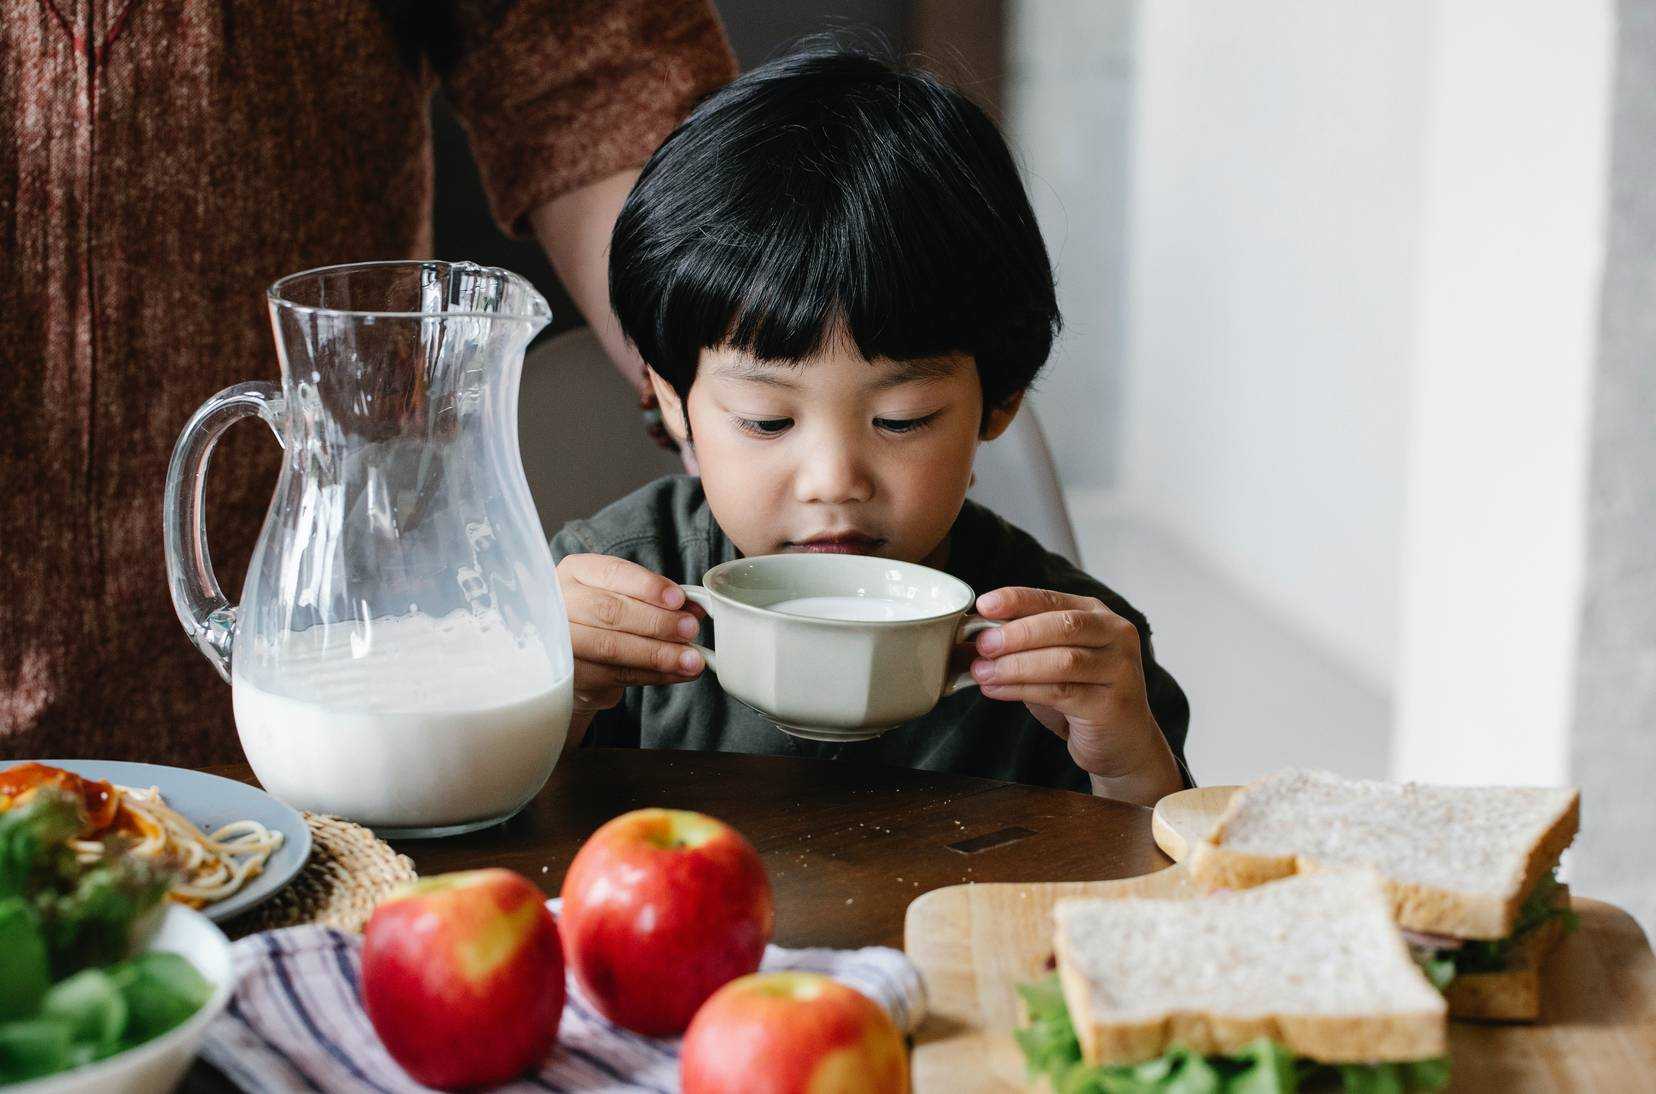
1512	993
1314	963
1458	861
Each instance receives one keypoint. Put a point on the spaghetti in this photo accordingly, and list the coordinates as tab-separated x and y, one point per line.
211	866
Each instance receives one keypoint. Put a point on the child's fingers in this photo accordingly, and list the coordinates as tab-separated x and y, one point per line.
1070	627
634	657
620	575
593	696
1067	665
595	607
1060	697
1017	601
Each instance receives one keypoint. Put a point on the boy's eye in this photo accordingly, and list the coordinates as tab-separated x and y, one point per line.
905	425
763	427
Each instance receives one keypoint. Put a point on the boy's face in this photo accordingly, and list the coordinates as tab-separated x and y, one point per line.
835	453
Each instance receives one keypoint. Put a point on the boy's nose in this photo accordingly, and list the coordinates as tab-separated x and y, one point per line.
834	476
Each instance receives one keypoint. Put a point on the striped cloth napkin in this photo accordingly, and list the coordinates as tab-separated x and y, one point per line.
296	1020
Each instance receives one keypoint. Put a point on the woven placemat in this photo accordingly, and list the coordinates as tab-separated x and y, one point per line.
350	870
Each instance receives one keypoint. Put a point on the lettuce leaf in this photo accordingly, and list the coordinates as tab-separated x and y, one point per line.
1438	967
71	922
1051	1048
1539	908
25	966
34	842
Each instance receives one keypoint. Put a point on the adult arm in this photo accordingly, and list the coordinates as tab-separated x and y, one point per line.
574	229
563	101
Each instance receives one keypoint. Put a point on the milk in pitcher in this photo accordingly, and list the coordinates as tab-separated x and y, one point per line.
409	722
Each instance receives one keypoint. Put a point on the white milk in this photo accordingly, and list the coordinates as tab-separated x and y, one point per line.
862	609
405	723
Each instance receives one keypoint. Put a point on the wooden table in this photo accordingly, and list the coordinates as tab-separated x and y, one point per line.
847	846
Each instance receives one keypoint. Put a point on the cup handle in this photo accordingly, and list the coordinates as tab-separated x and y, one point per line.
209	619
971	625
703	598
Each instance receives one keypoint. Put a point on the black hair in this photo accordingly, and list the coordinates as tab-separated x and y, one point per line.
831	191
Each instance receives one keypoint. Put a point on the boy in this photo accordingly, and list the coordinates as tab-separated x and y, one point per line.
836	280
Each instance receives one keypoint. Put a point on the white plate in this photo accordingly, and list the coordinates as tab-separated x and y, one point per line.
209	802
158	1065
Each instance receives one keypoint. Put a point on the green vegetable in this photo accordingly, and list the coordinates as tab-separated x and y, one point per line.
73	921
87	911
1440	970
34	842
1048	1042
1428	1074
93	922
1050	1048
91	1006
1270	1070
36	1047
1539	908
162	990
24	968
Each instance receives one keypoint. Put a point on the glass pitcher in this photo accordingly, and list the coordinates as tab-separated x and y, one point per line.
400	655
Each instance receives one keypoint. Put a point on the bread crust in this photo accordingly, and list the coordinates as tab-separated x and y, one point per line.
1327	1038
1512	994
1417	907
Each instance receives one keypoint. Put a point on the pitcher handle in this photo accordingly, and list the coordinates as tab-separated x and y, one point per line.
209	619
698	595
971	625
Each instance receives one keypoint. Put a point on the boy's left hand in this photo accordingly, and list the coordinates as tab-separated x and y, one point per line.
1077	666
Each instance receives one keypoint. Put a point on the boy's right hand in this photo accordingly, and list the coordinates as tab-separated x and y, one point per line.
629	627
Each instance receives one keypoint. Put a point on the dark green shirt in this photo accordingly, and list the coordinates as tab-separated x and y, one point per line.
667	527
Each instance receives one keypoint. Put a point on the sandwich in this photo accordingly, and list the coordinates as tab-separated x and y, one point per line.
1470	871
1304	983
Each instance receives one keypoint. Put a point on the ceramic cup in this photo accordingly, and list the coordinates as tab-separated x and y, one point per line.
836	679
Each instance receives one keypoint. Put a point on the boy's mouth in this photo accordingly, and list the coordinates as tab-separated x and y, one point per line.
840	543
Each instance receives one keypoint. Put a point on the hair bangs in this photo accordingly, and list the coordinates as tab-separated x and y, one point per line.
834	196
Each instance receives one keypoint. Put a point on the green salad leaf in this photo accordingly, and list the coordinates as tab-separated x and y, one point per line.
74	923
1048	1041
32	1048
34	838
161	990
25	968
90	1005
1267	1068
1051	1048
1539	908
92	921
1439	969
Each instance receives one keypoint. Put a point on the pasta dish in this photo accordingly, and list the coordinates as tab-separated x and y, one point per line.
211	865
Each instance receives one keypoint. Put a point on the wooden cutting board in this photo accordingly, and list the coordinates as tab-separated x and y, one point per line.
975	943
1181	819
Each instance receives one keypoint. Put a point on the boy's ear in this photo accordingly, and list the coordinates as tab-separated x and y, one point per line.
672	408
999	417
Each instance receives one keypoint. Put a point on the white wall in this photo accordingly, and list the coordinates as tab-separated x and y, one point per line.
1274	220
1068	96
1513	228
1612	748
1365	248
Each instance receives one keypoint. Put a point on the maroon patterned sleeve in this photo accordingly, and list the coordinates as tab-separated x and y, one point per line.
556	94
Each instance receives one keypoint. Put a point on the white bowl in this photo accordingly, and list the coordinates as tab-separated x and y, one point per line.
158	1064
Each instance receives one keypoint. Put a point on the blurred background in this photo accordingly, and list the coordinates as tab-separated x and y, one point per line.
1357	393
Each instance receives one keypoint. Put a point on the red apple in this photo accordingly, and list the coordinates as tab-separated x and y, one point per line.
463	978
661	908
790	1033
